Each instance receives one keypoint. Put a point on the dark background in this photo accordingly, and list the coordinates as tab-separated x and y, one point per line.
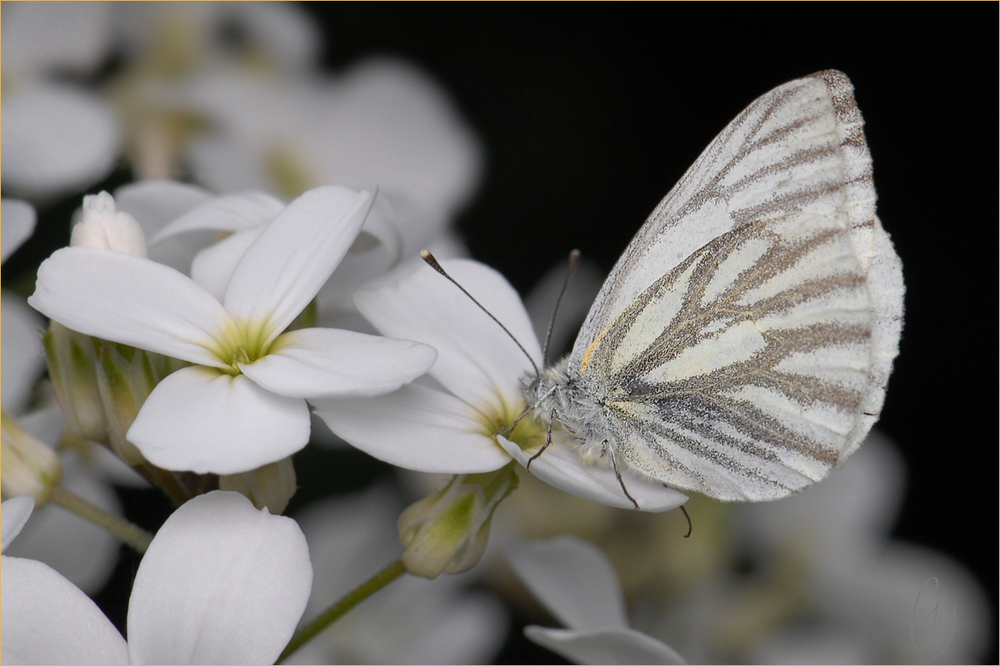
589	114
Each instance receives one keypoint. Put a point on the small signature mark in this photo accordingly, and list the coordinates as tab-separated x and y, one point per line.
933	620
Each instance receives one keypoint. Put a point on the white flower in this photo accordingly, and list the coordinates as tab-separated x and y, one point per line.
576	583
220	583
413	620
458	430
242	405
184	222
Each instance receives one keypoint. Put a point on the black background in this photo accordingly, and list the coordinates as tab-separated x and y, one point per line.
589	114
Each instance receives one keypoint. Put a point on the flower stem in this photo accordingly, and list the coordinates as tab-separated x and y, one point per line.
133	535
346	603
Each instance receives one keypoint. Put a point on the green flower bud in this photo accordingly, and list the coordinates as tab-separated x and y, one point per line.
271	485
27	465
72	359
125	378
447	532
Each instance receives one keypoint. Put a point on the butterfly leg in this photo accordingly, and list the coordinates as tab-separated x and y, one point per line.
618	475
548	440
690	526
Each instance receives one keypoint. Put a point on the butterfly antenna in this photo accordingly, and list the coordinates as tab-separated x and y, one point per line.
574	259
433	263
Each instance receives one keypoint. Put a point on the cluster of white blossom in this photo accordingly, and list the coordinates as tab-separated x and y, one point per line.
257	287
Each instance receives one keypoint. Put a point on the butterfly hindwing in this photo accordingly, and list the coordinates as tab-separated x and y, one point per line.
744	367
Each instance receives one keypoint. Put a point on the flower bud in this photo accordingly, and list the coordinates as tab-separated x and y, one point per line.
269	486
125	378
27	466
105	227
447	531
72	360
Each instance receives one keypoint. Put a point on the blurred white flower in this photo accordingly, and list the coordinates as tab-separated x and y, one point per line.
78	549
40	39
243	404
413	620
20	326
576	583
18	224
381	121
823	582
458	430
57	138
29	466
204	34
221	583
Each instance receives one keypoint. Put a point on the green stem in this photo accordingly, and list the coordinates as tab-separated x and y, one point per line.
134	536
346	603
167	482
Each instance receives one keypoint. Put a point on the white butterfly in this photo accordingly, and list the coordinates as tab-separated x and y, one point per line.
742	344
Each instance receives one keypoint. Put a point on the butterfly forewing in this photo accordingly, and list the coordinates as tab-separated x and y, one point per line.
741	345
784	153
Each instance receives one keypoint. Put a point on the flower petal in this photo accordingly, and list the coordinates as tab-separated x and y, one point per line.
573	579
416	428
48	620
476	359
284	268
153	204
18	224
213	267
222	583
330	363
229	212
201	420
14	513
561	467
607	646
130	300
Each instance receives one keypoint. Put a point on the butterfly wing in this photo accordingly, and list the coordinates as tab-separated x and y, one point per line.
742	343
